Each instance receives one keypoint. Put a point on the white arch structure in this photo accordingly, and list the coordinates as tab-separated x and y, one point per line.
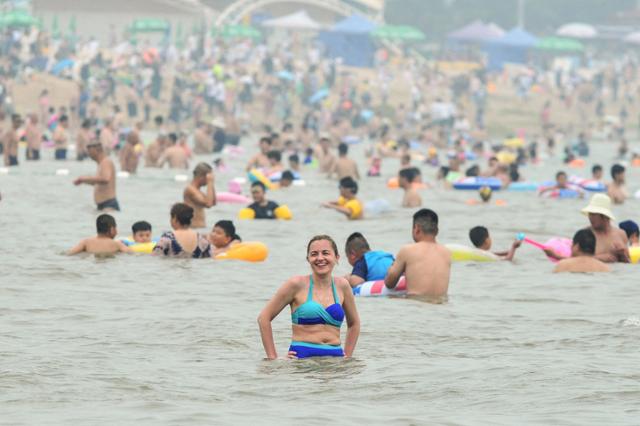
236	10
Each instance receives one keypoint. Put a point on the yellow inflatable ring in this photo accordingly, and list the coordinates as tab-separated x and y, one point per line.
249	252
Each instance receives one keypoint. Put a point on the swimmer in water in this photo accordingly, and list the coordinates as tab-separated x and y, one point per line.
104	242
104	182
367	265
192	196
407	181
562	184
262	208
480	238
286	180
425	264
223	236
582	257
141	232
632	231
319	304
347	204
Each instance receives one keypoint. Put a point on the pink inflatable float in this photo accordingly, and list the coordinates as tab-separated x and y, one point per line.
561	246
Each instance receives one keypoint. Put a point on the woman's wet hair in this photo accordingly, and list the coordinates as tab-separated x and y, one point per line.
229	229
182	213
323	238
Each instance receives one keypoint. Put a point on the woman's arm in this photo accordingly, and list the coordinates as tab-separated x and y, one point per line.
353	319
283	297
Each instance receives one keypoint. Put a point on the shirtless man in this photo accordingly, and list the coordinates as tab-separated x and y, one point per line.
154	151
33	135
582	255
174	155
426	264
611	242
84	138
61	138
406	181
104	182
104	242
203	139
193	197
324	155
129	156
260	160
107	136
11	142
616	189
275	162
344	166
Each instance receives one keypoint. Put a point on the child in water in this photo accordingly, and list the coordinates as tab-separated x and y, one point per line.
141	232
480	238
104	242
347	204
223	236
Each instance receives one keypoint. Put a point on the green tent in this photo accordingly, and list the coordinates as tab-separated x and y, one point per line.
149	26
238	31
398	32
18	18
559	44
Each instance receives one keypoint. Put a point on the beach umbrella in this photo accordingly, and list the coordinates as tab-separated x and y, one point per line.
398	32
577	30
559	44
149	26
61	66
319	95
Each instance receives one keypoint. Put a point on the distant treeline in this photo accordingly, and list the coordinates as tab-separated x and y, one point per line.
438	17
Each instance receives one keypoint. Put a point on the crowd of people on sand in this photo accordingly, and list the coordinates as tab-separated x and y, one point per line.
164	105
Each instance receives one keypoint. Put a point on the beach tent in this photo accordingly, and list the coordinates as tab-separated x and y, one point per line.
296	21
513	47
350	39
577	30
149	26
559	44
398	33
476	32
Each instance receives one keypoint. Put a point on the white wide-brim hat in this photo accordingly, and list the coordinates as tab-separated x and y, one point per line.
599	204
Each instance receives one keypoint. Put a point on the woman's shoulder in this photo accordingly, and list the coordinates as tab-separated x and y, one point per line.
342	283
297	282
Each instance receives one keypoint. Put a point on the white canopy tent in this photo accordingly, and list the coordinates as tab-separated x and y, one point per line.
296	21
577	30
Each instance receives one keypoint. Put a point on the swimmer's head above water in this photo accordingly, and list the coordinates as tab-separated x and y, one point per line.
479	236
141	232
106	226
485	193
355	247
348	187
425	224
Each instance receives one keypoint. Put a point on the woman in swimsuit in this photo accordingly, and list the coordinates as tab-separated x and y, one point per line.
319	303
182	241
223	237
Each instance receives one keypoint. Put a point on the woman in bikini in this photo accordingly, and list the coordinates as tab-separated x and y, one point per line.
319	303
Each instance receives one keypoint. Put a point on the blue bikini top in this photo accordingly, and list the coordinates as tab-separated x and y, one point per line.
311	312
